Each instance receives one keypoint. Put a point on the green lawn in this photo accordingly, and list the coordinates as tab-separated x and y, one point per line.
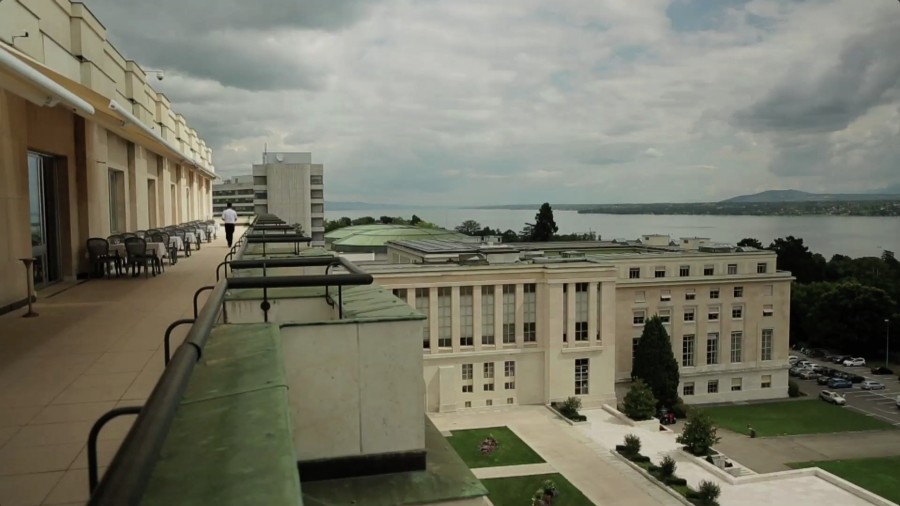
878	475
510	451
519	490
792	417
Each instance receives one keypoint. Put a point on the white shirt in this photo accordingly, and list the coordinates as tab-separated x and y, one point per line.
229	216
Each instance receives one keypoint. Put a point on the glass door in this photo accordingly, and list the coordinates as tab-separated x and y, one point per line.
43	213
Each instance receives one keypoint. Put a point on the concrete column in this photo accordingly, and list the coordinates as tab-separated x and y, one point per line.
96	144
166	214
570	312
476	316
131	202
550	321
593	309
141	204
454	321
520	314
433	318
498	315
608	316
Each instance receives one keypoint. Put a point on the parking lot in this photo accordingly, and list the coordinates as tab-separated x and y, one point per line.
881	404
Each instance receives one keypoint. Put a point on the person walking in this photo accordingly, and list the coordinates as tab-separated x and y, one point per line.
229	217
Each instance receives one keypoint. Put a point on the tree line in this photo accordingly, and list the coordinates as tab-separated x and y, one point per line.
543	229
370	220
844	304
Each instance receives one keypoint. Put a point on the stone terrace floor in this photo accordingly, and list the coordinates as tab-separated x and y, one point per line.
95	346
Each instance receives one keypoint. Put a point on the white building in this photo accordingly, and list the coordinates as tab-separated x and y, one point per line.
535	323
290	186
238	191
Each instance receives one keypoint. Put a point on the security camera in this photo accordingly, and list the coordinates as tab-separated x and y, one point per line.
160	75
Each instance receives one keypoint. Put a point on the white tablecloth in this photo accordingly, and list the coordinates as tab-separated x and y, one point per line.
176	242
212	230
158	247
190	237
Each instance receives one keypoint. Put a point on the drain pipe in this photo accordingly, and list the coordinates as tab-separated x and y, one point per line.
29	280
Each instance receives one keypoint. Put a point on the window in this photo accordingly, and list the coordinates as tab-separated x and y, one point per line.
761	268
634	272
689	314
488	370
510	400
509	385
487	315
315	179
766	342
316	194
445	318
530	313
713	314
659	272
468	404
261	195
712	348
737	312
509	314
423	306
582	370
665	315
765	381
581	311
489	402
634	344
640	296
688	389
732	269
736	384
466	328
709	270
400	293
768	310
687	350
488	387
768	289
737	347
116	201
259	180
665	296
713	293
738	292
509	369
467	389
690	295
712	386
467	371
638	318
684	271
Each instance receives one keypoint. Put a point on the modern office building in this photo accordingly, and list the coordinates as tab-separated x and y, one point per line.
531	323
291	186
238	191
87	146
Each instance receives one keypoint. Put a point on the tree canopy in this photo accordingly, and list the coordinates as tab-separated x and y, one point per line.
469	227
544	226
655	363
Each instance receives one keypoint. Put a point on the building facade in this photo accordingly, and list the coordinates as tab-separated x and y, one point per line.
238	191
512	324
87	146
291	186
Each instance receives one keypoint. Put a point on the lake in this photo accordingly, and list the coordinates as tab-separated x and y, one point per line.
854	236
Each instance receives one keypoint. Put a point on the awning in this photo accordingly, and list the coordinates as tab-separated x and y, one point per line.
104	111
23	80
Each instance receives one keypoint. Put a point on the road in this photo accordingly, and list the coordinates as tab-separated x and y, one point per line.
880	404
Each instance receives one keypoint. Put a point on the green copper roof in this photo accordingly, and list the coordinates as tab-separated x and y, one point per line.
379	235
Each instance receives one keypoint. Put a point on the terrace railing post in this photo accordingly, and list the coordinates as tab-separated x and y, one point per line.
93	475
168	336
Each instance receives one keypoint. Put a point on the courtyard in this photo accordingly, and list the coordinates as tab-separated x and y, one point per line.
785	418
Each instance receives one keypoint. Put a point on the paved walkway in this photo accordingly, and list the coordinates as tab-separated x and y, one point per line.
95	346
486	473
599	475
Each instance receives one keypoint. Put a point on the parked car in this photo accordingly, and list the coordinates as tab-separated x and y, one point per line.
816	353
795	371
666	416
881	370
856	378
872	385
839	359
808	374
839	383
832	397
855	362
823	379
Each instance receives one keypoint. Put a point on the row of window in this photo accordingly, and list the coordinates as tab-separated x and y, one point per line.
685	270
581	312
639	317
509	372
712	347
467	313
737	384
691	294
490	402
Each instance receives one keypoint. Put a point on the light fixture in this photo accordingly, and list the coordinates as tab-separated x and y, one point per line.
14	37
160	74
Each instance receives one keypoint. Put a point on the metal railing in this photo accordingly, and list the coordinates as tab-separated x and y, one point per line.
129	472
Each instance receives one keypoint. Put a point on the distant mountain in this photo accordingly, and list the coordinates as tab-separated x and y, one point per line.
331	205
775	196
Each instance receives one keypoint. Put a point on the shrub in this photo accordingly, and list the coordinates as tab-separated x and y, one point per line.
667	467
699	434
632	444
793	389
675	481
639	402
621	449
569	408
640	458
708	492
680	409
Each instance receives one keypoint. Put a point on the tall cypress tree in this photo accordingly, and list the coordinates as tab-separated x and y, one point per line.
655	363
544	225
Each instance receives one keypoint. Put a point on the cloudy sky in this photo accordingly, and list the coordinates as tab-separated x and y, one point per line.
506	101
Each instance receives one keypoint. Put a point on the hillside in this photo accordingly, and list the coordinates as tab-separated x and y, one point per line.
776	196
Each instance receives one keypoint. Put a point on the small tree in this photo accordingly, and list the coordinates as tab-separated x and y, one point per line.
708	493
570	407
639	401
699	434
654	362
544	226
415	220
469	227
667	467
632	444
